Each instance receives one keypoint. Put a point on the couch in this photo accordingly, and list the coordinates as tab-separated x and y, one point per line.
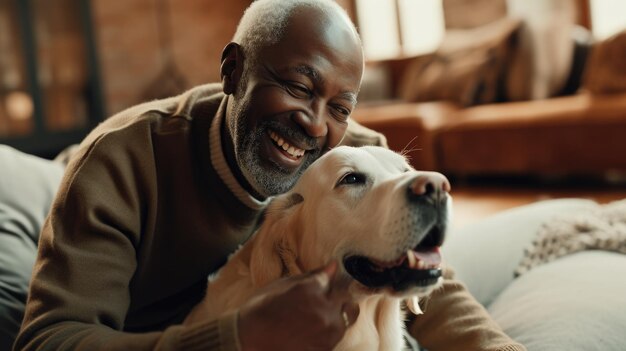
580	130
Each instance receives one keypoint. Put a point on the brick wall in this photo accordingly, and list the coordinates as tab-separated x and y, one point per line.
128	44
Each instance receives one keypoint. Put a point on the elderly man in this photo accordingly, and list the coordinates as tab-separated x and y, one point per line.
159	195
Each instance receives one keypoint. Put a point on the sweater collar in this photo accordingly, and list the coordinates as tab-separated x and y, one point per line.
218	160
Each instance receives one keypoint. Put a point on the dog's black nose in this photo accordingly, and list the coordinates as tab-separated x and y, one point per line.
430	186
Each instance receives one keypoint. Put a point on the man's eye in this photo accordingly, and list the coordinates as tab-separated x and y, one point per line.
352	178
344	112
298	91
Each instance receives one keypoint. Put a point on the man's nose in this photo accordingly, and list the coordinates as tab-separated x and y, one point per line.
313	123
431	186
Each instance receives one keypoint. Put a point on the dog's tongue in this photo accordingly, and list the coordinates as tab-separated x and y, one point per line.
424	259
430	258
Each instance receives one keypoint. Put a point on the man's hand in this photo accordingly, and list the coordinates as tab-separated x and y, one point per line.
309	312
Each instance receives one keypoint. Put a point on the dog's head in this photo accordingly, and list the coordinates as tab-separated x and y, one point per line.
367	208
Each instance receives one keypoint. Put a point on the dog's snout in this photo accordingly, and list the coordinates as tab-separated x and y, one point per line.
429	185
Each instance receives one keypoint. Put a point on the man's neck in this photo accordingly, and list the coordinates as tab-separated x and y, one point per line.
228	147
221	148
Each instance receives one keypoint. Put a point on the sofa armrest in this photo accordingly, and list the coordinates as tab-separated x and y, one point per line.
410	128
580	134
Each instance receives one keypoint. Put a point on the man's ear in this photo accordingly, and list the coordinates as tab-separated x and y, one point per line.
231	68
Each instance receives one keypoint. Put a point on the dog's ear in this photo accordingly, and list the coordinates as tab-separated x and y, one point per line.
274	255
265	264
412	303
290	201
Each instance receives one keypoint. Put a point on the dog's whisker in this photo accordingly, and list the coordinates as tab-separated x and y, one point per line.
406	151
409	143
407	148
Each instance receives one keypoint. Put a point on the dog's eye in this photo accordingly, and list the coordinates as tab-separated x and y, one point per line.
352	178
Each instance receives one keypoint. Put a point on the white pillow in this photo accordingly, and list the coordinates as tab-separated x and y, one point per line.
574	303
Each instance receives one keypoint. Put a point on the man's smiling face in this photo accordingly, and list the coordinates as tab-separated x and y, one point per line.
294	101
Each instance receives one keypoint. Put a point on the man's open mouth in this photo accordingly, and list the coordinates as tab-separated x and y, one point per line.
287	147
419	267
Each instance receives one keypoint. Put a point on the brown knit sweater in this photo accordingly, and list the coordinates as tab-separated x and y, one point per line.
148	208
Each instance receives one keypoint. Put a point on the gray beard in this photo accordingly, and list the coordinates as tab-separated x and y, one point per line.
266	177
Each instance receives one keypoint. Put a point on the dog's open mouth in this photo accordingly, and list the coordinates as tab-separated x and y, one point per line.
419	267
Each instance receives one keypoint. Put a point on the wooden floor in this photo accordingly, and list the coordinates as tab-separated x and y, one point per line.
473	202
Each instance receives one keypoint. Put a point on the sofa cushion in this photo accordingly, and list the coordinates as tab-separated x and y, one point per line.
485	255
468	68
408	127
27	186
606	69
575	303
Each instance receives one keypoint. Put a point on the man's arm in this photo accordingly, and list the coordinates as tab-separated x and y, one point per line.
79	294
88	254
454	320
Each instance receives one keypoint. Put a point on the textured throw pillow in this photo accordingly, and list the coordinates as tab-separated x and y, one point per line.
605	70
468	68
27	186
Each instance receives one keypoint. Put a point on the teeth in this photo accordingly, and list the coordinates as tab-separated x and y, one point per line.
411	257
415	263
290	149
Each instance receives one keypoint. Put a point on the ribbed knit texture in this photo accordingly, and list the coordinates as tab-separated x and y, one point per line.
453	320
212	335
516	347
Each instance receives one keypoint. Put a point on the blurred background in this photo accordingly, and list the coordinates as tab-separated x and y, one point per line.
500	95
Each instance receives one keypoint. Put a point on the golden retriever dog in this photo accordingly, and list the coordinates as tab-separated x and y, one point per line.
366	208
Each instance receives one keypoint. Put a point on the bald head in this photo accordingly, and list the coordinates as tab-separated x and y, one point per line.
265	22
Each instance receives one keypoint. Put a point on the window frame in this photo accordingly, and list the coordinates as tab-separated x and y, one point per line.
40	141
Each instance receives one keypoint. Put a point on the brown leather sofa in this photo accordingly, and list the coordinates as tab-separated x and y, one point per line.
582	134
579	134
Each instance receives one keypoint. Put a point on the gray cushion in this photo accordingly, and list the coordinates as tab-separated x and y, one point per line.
27	186
574	303
577	302
484	255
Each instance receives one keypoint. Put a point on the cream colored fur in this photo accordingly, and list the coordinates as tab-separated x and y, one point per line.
317	222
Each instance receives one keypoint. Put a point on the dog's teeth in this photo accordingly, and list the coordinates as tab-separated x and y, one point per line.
411	258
